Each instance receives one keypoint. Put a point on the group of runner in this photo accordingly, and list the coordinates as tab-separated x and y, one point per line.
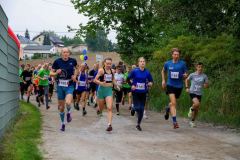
75	83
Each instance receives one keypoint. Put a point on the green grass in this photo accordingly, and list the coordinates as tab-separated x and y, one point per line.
21	140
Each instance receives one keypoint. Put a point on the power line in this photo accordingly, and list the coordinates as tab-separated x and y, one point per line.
57	3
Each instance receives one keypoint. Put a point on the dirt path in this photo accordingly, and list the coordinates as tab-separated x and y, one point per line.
86	138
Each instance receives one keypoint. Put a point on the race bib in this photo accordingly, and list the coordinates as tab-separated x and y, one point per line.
46	76
63	83
174	75
197	88
82	83
108	77
119	82
140	86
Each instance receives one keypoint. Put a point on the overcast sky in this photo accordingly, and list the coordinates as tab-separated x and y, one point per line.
39	15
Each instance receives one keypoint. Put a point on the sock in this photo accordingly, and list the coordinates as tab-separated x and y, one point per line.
174	119
62	114
117	106
83	108
109	124
69	109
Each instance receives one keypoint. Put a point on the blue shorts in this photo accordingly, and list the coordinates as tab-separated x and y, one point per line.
63	91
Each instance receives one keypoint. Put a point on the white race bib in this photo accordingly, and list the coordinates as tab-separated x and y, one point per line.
82	83
107	77
46	76
197	88
63	83
119	82
140	86
174	75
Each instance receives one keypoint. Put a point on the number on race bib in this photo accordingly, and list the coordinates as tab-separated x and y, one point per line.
63	83
174	75
82	83
140	86
108	77
197	88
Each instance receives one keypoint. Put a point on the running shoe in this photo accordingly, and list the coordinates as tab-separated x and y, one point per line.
109	128
69	118
84	112
132	111
118	113
76	106
47	107
175	125
63	127
138	127
190	112
192	124
99	113
145	116
167	111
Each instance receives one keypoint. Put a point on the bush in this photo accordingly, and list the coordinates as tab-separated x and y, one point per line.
220	102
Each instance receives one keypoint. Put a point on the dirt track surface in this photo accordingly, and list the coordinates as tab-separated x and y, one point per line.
86	138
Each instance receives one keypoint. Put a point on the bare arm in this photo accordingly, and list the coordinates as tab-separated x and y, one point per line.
163	79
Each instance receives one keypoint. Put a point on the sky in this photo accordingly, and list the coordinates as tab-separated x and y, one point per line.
39	15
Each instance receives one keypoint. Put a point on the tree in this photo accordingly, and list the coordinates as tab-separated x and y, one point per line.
145	25
46	40
71	41
27	34
97	41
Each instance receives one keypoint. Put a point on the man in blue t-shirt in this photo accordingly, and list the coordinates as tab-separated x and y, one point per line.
64	68
176	72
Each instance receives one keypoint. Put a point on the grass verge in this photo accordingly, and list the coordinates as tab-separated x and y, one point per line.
23	136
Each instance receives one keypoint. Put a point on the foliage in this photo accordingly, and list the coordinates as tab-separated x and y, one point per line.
71	41
27	34
22	142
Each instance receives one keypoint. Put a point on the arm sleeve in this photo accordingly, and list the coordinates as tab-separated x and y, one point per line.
149	77
190	77
206	79
165	66
55	65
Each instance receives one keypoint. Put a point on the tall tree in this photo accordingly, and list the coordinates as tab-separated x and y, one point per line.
97	41
46	40
27	34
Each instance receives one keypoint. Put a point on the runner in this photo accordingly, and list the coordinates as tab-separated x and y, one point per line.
140	76
81	87
63	68
119	78
105	80
198	80
43	76
51	85
126	87
176	70
93	85
26	77
21	69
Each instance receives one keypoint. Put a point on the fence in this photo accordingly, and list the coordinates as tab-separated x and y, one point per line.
9	80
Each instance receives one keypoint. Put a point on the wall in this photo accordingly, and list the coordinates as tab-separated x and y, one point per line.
9	79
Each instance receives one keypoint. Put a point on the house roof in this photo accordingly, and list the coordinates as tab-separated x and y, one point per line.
24	40
53	38
39	47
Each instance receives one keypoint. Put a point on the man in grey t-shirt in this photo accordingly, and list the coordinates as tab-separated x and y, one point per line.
198	80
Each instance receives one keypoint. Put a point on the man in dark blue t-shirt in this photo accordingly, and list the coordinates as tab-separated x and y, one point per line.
176	72
63	69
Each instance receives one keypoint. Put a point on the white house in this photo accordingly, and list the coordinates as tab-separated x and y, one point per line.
44	50
77	49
